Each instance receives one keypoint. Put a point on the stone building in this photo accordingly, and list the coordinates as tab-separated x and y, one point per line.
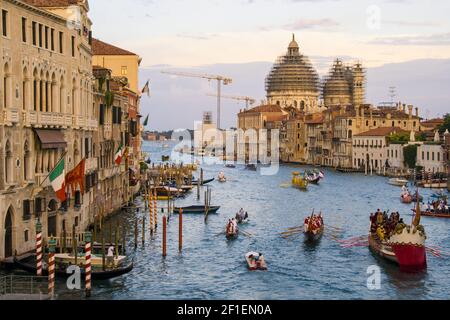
370	149
447	155
55	105
46	114
293	81
431	156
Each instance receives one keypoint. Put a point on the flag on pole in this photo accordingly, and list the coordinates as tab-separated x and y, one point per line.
76	177
146	89
146	121
119	155
57	179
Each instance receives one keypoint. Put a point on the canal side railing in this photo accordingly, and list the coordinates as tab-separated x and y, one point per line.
14	285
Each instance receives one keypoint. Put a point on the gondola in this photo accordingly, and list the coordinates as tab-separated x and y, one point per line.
194	182
231	166
197	209
28	264
435	214
251	167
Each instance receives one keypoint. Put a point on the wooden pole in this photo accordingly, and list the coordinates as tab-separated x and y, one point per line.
64	240
143	230
103	250
87	265
164	236
39	248
110	232
124	233
51	267
180	231
150	212
74	245
116	240
136	233
155	211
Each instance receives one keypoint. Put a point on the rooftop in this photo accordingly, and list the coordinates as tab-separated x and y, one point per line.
381	132
101	48
52	3
264	108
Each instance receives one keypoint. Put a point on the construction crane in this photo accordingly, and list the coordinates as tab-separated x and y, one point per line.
248	100
220	80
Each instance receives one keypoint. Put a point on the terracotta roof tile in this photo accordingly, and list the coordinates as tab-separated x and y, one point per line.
52	3
381	132
105	49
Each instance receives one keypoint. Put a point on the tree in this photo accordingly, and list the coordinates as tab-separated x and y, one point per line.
410	155
446	125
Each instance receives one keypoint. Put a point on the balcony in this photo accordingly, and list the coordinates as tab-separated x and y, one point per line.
11	116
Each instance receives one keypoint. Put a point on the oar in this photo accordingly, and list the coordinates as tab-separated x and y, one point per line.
247	234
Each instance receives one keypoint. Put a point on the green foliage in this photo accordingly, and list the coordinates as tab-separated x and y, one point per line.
398	138
421	137
446	125
109	98
101	82
410	155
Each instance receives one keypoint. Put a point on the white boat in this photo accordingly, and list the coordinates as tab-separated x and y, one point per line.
255	261
398	182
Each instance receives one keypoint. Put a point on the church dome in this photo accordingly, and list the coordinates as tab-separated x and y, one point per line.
337	83
292	72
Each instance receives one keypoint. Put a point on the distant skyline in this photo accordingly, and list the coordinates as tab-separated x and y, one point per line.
203	35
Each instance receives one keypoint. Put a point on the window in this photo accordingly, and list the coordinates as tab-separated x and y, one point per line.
52	39
102	115
124	70
26	235
438	157
61	42
46	37
24	29
27	209
73	46
5	23
40	35
33	31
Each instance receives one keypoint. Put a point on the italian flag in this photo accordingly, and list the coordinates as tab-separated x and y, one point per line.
57	179
119	155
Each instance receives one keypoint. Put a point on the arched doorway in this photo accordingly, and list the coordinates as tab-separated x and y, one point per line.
9	234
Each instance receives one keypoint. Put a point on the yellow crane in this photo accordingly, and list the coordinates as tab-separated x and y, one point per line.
248	100
220	80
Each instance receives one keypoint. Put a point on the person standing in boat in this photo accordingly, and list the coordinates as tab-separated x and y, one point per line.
110	257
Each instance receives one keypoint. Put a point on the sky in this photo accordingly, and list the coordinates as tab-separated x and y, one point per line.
192	35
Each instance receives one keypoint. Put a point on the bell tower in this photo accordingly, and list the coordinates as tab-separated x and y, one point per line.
358	85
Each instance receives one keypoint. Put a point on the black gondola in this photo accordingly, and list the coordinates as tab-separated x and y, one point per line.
197	209
28	264
251	167
194	182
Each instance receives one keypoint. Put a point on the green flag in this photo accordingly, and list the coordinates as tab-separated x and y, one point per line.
146	121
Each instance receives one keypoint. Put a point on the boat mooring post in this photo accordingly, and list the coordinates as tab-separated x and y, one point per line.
143	230
74	245
164	253
87	265
155	210
136	233
103	250
39	248
150	212
180	231
64	239
116	239
51	267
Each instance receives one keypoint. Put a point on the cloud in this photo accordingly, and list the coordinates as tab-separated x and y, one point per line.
442	39
311	23
404	23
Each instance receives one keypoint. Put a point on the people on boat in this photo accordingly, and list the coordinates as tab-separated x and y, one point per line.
313	224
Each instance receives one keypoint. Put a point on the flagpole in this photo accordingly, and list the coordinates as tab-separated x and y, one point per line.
48	175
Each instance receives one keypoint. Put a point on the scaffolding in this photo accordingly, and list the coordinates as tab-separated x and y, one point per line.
292	72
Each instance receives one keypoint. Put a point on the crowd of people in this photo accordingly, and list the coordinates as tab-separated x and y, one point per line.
383	226
232	227
314	223
438	206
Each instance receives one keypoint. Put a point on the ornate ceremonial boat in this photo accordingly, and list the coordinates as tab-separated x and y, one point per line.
299	181
404	246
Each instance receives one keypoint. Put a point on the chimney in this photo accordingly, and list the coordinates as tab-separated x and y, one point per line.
404	108
410	110
417	112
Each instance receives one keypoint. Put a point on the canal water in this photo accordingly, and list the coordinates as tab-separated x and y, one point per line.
210	267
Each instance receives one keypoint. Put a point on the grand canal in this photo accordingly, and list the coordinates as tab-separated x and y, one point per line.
210	267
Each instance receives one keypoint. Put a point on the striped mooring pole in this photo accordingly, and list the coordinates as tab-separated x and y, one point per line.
51	267
39	248
155	210
87	264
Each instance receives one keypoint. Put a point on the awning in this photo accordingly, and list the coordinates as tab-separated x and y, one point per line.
51	139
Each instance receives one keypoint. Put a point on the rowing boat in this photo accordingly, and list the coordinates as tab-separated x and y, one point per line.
312	236
255	261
